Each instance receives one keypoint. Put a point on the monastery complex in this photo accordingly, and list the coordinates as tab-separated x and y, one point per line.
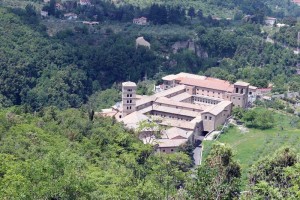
188	107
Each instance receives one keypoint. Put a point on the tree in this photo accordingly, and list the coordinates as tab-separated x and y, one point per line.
218	178
275	177
262	119
52	7
191	12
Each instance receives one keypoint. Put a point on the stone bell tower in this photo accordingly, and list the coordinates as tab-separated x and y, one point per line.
128	98
239	96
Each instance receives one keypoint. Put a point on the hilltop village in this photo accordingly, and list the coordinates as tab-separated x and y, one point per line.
188	107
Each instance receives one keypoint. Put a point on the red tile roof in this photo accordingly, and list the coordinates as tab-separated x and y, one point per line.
212	83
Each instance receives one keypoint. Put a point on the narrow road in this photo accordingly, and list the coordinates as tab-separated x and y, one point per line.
197	155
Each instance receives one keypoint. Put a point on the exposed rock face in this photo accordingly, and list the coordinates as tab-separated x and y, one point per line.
190	45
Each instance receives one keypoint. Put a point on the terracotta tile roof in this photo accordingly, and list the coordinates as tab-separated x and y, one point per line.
181	97
132	120
217	109
176	133
178	88
130	84
241	83
211	83
178	123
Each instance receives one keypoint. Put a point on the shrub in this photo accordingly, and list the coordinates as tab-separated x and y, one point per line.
261	119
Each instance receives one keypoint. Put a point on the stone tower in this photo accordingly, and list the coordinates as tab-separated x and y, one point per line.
128	98
239	96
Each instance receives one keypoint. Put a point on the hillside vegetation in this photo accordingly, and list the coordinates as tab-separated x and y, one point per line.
251	145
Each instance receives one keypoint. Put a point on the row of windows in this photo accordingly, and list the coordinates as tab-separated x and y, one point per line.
129	90
206	100
129	95
128	107
171	117
209	91
129	101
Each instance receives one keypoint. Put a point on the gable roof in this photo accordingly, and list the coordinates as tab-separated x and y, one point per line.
175	133
218	108
133	119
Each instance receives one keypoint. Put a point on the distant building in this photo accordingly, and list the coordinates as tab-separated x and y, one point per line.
140	21
270	21
90	23
85	2
70	16
281	25
140	41
263	91
44	13
188	107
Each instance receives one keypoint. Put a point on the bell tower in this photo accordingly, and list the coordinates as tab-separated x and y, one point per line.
239	96
128	98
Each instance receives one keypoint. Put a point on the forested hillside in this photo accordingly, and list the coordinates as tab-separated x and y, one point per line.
66	69
52	71
63	155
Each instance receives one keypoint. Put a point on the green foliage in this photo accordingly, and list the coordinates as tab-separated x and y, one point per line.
57	154
218	178
261	119
273	177
238	112
104	99
145	87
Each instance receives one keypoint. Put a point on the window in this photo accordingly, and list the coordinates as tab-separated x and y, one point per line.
239	98
242	91
120	116
172	150
130	95
210	118
129	90
130	101
164	150
236	90
127	101
233	97
130	107
127	95
205	117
